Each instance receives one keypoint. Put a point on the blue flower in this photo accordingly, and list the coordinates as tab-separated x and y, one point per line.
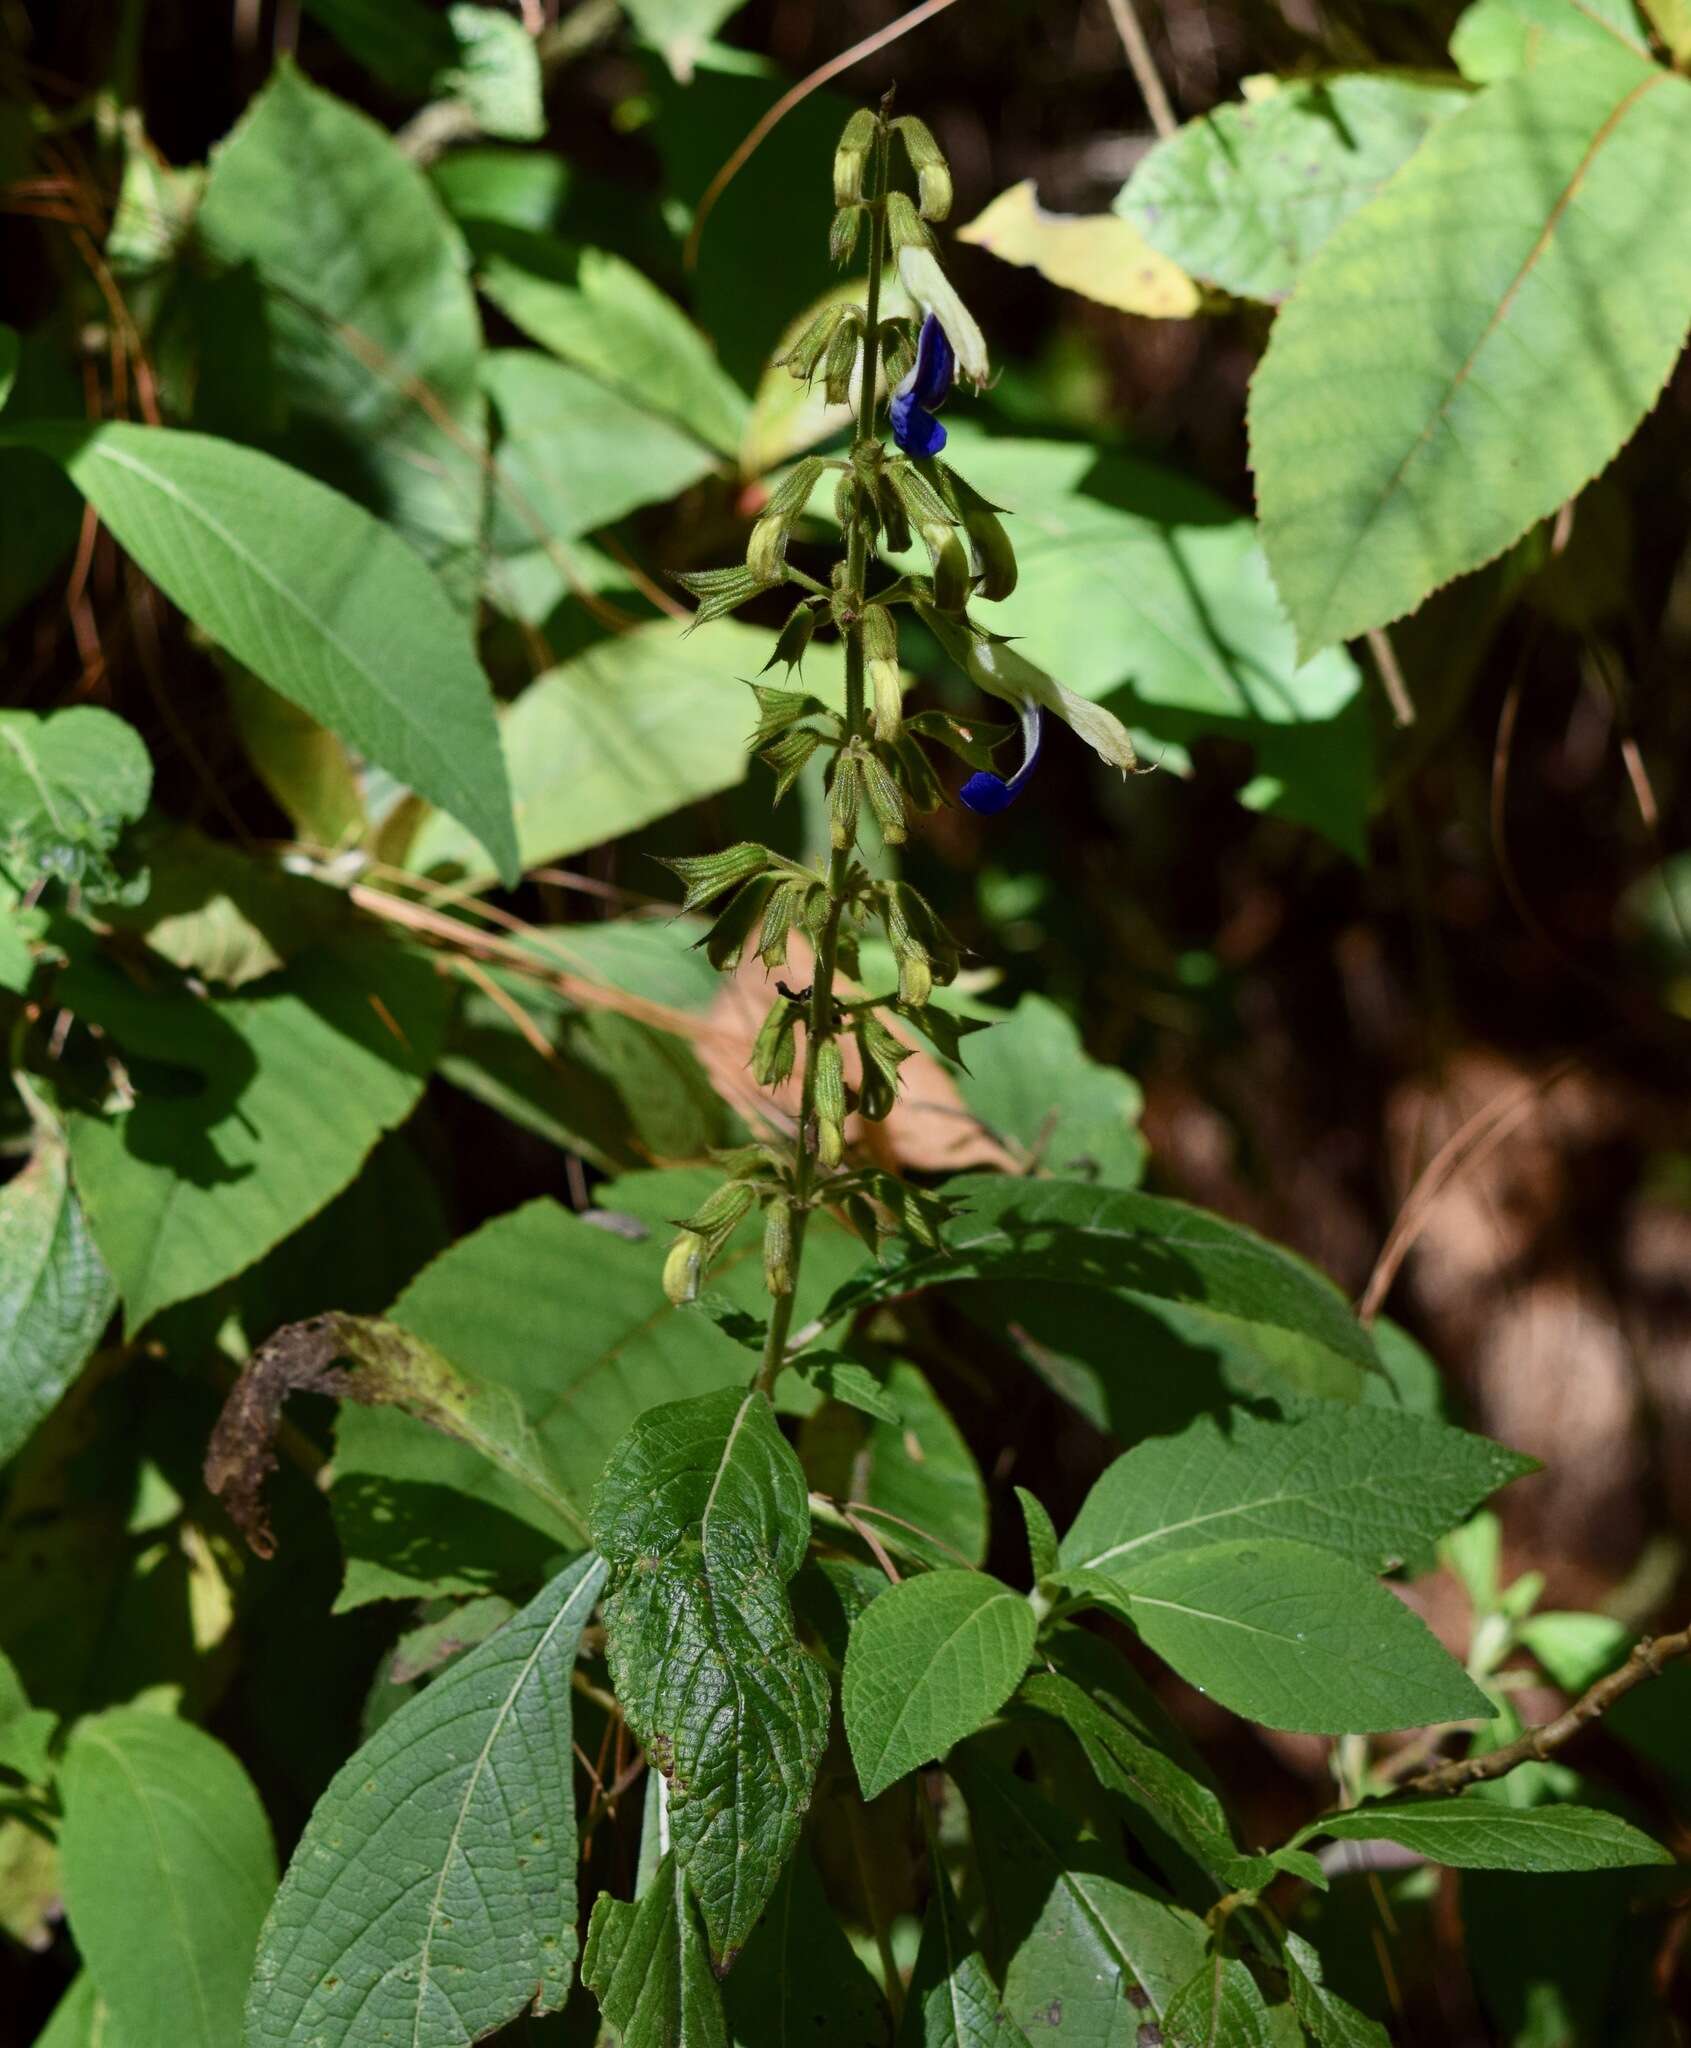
986	792
914	427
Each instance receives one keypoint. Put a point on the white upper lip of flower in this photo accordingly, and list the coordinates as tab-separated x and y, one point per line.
928	285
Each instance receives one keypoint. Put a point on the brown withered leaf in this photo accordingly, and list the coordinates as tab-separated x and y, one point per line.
392	1368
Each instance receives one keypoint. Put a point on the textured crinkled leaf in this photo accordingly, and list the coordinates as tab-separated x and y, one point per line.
1331	2020
704	1516
649	1968
1220	2007
433	1894
799	1984
1298	1638
168	1868
1498	38
1375	1485
1482	1834
1244	197
367	300
1078	1930
284	1093
928	1663
1103	255
312	594
1139	1246
1469	351
1031	1083
55	1293
69	784
952	2002
595	310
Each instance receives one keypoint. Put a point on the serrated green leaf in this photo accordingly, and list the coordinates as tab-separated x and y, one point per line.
952	2002
55	1293
1298	1638
1079	1931
648	1966
1219	2007
799	1984
313	595
1029	1080
433	1895
1139	1246
1043	1551
287	1092
1374	1485
1498	38
1331	2020
1243	198
168	1868
1479	1834
69	784
367	303
591	308
703	1515
928	1663
1535	220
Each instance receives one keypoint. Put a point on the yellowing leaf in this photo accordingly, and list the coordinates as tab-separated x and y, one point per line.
1100	255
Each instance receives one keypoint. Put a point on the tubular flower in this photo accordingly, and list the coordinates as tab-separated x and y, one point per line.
986	792
920	273
913	401
1002	672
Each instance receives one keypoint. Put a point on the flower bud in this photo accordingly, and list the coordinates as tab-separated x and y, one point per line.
842	360
842	236
684	1268
830	1102
904	224
802	359
772	1050
888	689
843	796
851	158
915	975
950	565
885	800
778	1247
766	551
927	160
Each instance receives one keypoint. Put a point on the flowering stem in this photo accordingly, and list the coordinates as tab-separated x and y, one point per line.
820	1021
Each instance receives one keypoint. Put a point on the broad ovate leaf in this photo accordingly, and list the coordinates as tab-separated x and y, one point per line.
704	1515
312	594
433	1894
1465	354
168	1867
928	1663
56	1295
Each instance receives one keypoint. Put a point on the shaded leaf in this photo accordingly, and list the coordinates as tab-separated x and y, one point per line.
928	1663
703	1516
952	2002
799	1984
25	1731
168	1868
1331	2020
433	1894
55	1293
1031	1083
1538	307
1220	2007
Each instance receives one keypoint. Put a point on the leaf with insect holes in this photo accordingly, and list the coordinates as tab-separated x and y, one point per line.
704	1515
928	1663
433	1894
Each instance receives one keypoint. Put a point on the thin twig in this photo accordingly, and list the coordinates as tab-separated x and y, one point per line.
792	98
1143	66
1646	1661
1391	676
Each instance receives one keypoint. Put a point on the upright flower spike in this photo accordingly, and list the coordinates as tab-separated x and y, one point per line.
989	793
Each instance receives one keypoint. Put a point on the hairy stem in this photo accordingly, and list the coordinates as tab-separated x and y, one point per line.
819	1023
